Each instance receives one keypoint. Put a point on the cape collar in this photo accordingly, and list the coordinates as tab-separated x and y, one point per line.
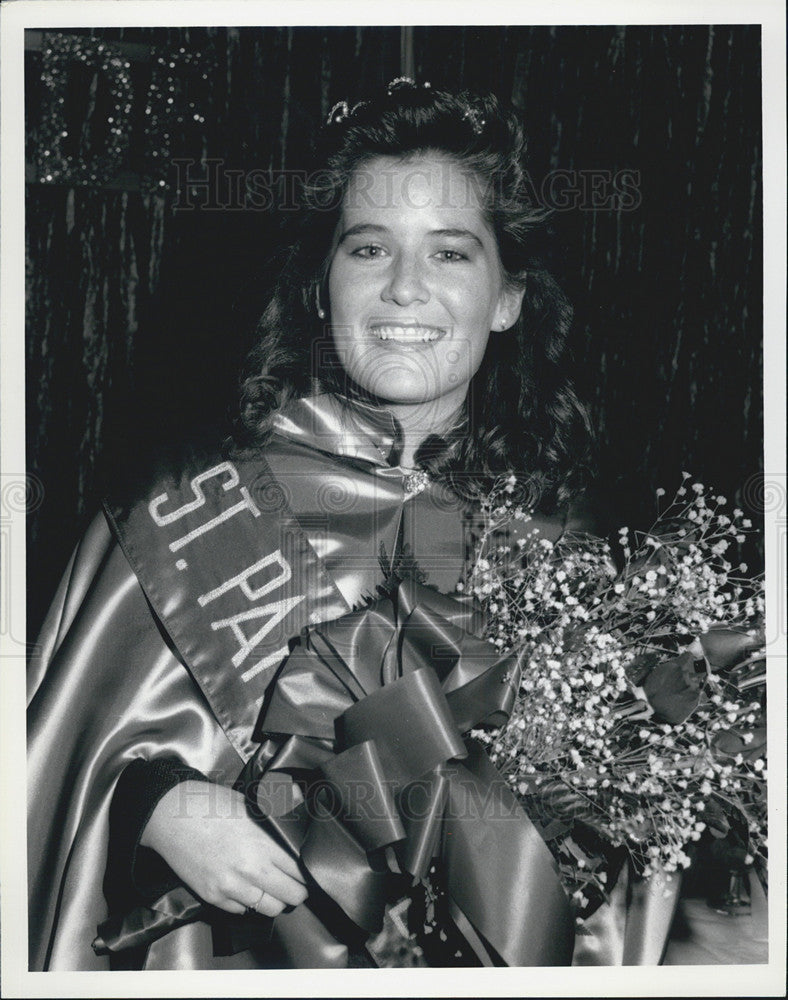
341	426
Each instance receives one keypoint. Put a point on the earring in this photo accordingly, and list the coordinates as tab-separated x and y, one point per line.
321	313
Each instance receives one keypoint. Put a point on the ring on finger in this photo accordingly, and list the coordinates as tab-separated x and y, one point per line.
255	908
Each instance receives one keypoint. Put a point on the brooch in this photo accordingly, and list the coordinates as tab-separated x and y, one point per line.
415	482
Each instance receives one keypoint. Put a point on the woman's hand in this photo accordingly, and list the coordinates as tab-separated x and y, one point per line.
205	834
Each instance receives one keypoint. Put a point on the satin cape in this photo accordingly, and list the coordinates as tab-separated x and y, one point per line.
128	665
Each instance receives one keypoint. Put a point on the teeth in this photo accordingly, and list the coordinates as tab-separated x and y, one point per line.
408	334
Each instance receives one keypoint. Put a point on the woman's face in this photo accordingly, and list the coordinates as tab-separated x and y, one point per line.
416	284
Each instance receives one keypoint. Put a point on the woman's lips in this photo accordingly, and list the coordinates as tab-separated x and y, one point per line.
407	333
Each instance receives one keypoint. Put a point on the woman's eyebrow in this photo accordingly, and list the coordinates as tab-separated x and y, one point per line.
457	233
363	229
371	228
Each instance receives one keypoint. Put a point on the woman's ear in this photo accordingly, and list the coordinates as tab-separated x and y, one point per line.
510	303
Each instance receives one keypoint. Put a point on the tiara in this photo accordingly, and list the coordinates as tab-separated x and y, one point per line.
476	120
406	83
342	110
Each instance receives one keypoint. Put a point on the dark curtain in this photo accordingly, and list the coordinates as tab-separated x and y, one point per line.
148	229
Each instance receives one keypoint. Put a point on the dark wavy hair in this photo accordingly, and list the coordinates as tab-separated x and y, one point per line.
522	414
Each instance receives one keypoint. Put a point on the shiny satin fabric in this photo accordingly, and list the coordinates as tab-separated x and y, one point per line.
402	726
112	691
230	576
106	685
397	734
633	927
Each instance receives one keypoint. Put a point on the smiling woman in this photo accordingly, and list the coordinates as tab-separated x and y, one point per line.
419	238
415	287
411	355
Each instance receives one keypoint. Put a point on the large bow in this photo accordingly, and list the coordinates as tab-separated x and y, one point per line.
370	709
362	770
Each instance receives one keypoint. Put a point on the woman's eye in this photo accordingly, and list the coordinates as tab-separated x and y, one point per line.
371	250
450	256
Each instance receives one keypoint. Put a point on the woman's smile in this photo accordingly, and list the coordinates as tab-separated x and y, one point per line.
407	334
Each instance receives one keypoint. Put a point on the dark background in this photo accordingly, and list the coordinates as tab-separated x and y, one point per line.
140	308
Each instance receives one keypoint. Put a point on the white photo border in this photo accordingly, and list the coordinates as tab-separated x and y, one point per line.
767	980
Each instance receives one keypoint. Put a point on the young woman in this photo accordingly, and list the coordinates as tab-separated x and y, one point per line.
411	353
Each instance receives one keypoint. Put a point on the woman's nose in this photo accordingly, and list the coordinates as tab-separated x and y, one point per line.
405	283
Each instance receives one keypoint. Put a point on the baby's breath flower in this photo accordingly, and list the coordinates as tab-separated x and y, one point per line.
581	625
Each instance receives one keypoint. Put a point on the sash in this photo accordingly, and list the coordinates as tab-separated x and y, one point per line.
230	575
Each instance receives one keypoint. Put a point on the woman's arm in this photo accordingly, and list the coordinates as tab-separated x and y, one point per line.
135	874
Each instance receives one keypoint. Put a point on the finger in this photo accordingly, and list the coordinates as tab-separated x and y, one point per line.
262	844
231	906
266	905
282	886
286	863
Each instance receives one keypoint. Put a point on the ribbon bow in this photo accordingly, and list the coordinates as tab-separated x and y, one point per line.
366	717
371	707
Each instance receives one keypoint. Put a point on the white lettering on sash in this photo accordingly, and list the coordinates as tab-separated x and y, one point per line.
251	593
246	504
277	611
187	508
268	616
267	661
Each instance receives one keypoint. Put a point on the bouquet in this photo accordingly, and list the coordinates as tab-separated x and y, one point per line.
639	723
